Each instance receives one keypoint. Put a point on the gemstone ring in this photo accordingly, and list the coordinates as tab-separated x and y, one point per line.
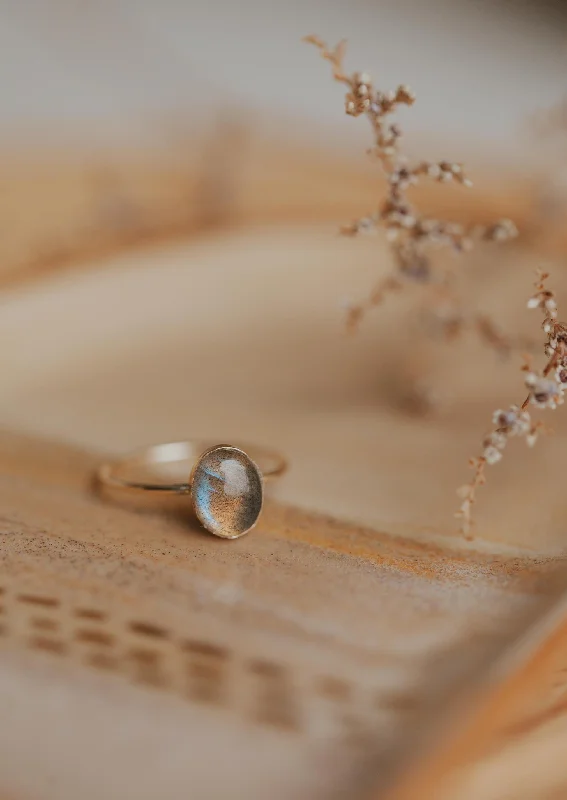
225	483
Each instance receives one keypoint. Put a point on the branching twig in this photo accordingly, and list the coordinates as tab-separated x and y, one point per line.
545	390
410	233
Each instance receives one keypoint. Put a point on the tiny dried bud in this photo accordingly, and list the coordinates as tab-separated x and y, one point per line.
513	422
531	438
551	307
405	95
544	392
501	231
362	78
496	439
492	455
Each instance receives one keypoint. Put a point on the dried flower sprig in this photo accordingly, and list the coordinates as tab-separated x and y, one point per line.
410	233
546	389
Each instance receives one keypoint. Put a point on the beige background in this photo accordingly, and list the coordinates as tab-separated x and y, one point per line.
119	69
238	333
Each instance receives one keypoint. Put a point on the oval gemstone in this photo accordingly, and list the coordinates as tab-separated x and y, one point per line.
227	491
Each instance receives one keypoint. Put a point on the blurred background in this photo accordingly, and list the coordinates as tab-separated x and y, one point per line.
127	126
174	176
120	68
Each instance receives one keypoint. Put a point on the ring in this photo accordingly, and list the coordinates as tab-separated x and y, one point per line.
225	483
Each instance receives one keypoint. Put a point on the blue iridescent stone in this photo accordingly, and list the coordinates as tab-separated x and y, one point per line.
227	491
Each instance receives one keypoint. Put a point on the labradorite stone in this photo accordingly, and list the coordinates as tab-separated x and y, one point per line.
227	491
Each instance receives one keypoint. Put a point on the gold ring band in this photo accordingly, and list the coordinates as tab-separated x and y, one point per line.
225	482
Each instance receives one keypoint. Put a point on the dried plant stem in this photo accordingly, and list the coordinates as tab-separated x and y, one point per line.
545	390
412	235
